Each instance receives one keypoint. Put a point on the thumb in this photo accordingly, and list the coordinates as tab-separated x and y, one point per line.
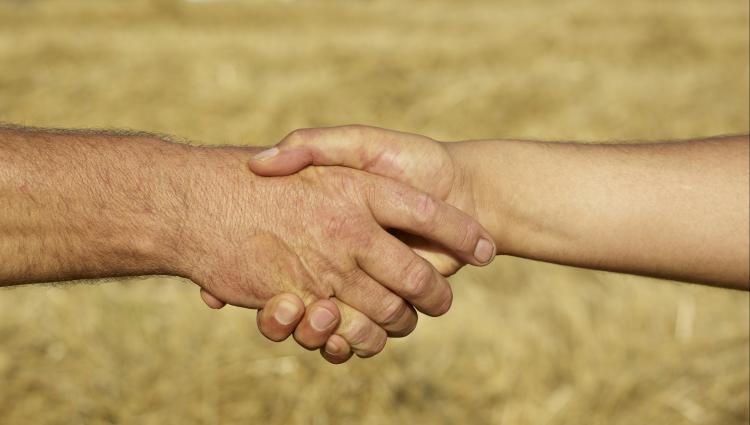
281	161
359	147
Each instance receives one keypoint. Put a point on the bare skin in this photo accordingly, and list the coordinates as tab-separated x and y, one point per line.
88	205
674	210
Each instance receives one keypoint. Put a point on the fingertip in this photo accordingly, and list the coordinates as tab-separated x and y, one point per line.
484	251
266	154
280	316
287	309
445	307
330	306
281	161
372	352
336	350
320	321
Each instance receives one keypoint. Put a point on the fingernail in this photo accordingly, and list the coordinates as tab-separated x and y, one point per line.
286	312
484	251
332	348
268	153
321	319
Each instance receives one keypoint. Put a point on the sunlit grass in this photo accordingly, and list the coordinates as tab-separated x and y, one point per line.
526	343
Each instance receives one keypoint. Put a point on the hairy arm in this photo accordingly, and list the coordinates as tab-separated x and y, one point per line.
674	210
88	205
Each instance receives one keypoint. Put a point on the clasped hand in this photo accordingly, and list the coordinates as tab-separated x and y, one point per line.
339	257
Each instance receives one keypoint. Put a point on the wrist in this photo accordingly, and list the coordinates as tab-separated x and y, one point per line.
213	181
468	185
158	207
476	177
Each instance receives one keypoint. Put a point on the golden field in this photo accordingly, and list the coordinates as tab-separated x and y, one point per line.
525	343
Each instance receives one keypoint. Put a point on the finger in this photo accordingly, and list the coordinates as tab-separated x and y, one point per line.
279	317
399	206
410	276
211	300
336	350
320	321
364	336
445	264
361	147
439	257
379	304
276	162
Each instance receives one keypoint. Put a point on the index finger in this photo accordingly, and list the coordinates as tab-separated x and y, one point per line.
396	205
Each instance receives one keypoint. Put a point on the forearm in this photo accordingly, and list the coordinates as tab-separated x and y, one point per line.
89	205
673	210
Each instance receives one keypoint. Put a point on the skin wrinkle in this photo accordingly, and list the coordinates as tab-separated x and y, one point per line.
381	160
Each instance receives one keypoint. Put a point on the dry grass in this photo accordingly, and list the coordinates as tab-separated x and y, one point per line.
526	343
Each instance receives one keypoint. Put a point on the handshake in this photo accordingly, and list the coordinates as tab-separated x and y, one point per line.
342	255
340	235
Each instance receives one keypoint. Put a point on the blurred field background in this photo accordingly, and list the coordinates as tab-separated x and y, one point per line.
526	343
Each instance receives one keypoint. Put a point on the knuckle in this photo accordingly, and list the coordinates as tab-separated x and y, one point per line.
348	184
377	344
336	227
355	129
301	136
418	278
425	211
393	310
359	333
470	236
408	330
366	241
350	229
